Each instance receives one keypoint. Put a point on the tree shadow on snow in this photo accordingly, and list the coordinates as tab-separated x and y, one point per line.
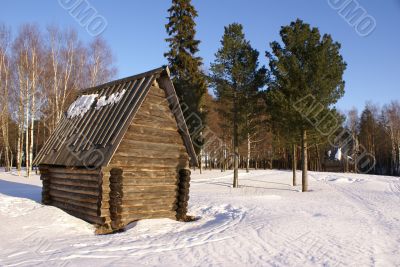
21	190
267	182
268	188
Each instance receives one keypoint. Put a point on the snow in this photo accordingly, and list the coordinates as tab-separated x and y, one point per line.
112	99
346	219
80	106
338	155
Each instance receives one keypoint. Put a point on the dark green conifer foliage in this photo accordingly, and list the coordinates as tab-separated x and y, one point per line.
306	79
189	80
236	79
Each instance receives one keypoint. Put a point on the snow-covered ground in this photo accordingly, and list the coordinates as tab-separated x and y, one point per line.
346	219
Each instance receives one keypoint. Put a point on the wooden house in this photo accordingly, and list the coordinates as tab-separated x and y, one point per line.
120	153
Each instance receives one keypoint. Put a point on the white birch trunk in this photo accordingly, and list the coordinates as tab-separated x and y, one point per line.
248	152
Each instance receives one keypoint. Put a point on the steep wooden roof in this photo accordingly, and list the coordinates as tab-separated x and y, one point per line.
92	139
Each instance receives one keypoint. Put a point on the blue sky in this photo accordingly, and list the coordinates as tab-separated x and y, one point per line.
136	35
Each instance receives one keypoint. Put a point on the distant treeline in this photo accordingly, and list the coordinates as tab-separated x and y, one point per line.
271	116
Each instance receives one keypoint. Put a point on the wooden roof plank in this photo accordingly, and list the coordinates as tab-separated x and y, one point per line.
76	141
92	124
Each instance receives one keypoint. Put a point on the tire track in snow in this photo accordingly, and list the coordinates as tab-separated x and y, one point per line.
394	187
374	217
219	224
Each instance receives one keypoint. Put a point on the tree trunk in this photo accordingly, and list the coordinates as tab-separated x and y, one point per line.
398	157
318	164
248	153
200	163
294	164
394	156
19	150
304	166
5	138
235	144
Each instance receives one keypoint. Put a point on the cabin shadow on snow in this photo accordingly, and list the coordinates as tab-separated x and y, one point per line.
15	189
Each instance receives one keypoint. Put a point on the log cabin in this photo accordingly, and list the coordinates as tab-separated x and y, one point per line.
120	153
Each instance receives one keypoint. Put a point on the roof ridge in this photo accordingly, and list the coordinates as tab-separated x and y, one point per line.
126	79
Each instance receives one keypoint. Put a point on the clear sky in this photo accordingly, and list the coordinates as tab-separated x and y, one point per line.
135	31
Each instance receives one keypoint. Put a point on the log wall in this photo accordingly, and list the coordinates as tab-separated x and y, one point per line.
183	198
143	175
75	190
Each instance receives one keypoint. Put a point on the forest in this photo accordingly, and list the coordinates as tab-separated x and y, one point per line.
241	113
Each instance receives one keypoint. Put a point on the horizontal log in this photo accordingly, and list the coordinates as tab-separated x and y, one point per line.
88	205
152	145
151	106
148	171
157	91
157	100
148	189
76	189
73	171
134	217
77	176
148	213
149	112
160	126
157	128
158	108
156	122
163	119
149	202
72	182
146	209
149	182
128	179
74	196
172	138
136	195
86	217
151	154
69	206
148	130
151	162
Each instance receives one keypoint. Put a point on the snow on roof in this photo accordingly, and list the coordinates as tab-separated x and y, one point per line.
112	99
80	106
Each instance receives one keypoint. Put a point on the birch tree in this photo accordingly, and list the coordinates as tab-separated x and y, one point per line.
391	114
62	57
27	47
5	35
99	62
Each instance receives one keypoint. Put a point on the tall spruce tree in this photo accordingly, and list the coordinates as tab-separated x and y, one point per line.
306	79
189	80
236	79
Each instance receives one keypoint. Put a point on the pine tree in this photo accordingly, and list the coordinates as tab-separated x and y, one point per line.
306	76
236	79
189	80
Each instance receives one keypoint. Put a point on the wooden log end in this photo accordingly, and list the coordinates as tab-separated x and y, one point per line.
186	218
184	173
116	171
